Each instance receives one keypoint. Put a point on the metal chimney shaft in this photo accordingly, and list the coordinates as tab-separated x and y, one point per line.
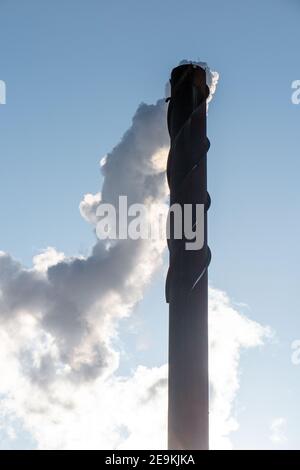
187	282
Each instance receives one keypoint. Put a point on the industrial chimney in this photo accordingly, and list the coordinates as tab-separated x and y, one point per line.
187	281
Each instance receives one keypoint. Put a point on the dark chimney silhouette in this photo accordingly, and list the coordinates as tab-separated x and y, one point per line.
187	280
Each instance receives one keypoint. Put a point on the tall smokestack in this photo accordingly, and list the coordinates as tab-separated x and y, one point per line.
187	281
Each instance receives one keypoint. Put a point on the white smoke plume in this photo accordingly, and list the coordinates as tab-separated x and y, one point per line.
88	207
59	321
75	301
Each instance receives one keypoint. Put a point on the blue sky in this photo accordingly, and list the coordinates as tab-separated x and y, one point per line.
75	74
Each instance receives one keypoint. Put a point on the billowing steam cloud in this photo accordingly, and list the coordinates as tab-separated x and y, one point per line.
75	301
59	321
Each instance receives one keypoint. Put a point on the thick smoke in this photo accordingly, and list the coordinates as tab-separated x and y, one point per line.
75	301
59	321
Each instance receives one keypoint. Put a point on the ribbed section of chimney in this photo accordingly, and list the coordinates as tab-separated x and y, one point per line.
187	282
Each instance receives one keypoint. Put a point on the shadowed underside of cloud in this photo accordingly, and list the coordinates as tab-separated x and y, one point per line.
130	412
59	321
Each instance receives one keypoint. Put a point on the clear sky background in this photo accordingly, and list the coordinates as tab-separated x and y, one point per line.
75	73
